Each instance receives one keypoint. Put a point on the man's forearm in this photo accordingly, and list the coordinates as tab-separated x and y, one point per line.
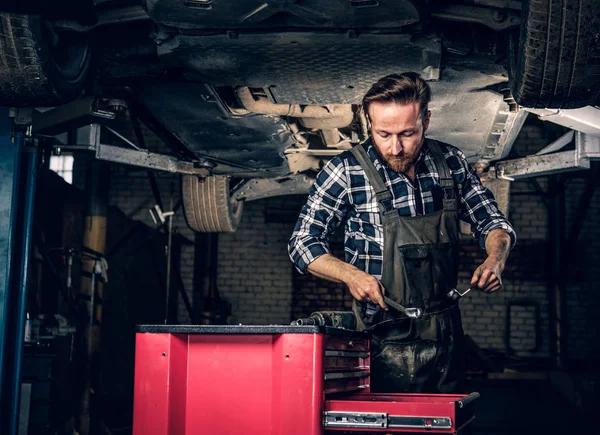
362	286
330	268
497	245
488	276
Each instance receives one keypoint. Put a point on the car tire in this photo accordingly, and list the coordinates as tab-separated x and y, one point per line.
556	62
39	67
208	205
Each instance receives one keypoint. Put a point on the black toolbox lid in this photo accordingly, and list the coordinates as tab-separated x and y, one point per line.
245	329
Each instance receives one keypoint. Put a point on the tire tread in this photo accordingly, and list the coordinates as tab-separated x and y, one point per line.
207	204
21	74
559	51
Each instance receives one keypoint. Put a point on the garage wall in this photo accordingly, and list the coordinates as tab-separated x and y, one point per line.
583	284
255	273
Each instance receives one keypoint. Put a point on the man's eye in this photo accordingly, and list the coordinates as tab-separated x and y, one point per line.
408	133
385	136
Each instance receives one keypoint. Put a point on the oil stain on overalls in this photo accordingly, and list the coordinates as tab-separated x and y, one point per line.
420	267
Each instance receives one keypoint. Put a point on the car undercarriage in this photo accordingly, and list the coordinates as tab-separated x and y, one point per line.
255	95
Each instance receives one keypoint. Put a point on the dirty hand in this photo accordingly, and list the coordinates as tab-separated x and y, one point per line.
487	277
365	287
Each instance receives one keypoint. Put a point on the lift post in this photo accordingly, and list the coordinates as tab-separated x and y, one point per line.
17	192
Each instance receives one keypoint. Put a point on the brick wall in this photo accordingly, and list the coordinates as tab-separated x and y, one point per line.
254	273
583	284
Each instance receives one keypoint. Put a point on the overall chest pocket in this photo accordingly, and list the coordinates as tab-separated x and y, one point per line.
429	271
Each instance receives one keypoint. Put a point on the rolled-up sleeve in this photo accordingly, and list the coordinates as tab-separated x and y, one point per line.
480	209
325	208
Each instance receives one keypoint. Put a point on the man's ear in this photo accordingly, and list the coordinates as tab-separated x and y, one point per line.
426	121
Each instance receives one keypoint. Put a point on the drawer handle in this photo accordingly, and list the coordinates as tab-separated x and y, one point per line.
365	420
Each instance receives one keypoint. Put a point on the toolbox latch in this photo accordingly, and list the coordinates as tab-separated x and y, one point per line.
370	420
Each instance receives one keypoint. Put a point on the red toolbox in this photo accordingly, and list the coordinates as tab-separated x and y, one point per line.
273	380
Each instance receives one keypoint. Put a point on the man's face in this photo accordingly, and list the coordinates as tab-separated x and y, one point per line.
398	132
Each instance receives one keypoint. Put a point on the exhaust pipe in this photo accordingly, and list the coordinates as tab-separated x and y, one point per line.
339	115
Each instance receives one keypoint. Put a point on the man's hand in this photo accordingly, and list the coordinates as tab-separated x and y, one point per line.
487	277
365	287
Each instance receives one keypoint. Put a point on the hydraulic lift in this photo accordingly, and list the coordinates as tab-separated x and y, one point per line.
274	380
18	165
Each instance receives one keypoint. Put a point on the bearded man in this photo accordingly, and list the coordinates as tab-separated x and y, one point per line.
400	196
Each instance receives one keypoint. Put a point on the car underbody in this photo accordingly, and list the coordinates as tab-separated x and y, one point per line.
248	82
265	91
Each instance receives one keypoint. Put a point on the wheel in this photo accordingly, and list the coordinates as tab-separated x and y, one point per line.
38	66
208	205
556	63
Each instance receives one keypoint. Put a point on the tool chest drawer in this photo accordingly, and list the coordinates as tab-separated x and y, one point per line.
345	364
397	413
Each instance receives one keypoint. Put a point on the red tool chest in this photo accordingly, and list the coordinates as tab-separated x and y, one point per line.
273	380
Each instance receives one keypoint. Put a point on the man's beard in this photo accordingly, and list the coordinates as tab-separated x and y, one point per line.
403	161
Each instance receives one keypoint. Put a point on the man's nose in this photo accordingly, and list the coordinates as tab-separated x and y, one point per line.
396	145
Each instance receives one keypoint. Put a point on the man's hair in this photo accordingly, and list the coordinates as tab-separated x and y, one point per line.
403	88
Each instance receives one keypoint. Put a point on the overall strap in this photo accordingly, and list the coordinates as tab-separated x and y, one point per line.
446	181
384	196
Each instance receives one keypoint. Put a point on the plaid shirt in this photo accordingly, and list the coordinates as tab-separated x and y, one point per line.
342	193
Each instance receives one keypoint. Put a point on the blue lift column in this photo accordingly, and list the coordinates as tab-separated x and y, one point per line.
18	165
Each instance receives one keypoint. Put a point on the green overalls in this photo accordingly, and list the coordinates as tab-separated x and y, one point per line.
420	267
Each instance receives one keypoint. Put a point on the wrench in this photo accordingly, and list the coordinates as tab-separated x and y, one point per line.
413	313
456	295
